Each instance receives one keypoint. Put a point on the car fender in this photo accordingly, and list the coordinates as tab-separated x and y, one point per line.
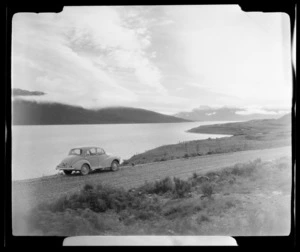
111	159
79	164
107	160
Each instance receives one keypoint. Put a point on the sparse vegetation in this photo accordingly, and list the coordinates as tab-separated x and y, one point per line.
207	189
169	205
158	187
202	218
195	175
181	187
256	134
176	187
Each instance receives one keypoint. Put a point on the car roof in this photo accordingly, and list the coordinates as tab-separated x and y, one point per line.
85	147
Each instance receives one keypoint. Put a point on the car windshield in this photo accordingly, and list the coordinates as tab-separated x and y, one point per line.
75	152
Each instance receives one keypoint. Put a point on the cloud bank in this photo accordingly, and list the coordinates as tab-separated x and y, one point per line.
162	58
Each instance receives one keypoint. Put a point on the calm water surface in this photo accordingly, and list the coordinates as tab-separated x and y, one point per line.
36	150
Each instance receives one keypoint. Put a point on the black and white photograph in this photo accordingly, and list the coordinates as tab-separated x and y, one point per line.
155	120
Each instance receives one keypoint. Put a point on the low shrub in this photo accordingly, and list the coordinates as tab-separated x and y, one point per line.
207	189
71	223
176	187
197	179
283	163
195	175
88	211
98	199
158	187
88	187
202	218
229	204
246	169
181	210
211	175
237	170
145	214
181	187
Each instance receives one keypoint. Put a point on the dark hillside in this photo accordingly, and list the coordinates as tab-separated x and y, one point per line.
33	113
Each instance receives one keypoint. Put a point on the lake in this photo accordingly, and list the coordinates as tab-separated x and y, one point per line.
36	150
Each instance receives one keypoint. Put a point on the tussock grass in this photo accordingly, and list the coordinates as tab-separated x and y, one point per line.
181	209
202	218
176	187
182	187
72	222
99	209
207	189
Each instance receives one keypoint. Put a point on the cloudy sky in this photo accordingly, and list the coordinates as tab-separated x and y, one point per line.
162	58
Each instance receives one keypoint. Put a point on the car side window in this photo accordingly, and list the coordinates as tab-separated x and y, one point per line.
88	153
75	152
100	151
93	151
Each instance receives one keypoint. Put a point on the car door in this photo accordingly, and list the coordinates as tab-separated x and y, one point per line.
93	158
103	158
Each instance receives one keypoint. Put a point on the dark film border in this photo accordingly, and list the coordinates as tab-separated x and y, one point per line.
13	7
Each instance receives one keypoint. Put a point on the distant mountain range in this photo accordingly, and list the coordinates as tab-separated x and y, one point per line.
26	112
205	113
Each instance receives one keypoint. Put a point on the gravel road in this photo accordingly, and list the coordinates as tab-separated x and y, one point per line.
27	193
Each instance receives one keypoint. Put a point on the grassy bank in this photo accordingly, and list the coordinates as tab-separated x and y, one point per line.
255	134
245	199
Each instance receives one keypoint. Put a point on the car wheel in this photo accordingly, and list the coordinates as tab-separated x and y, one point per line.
66	172
85	169
114	166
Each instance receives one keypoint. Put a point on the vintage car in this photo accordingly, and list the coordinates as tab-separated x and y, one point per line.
87	159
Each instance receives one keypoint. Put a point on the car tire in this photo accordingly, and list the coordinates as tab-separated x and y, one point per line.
114	166
85	169
67	172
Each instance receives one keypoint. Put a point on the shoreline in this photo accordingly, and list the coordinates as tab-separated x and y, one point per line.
49	177
56	174
246	135
53	182
109	123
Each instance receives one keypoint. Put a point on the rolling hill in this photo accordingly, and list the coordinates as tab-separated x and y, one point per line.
263	127
33	113
206	113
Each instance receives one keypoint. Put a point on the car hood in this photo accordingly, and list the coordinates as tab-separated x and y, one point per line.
69	160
